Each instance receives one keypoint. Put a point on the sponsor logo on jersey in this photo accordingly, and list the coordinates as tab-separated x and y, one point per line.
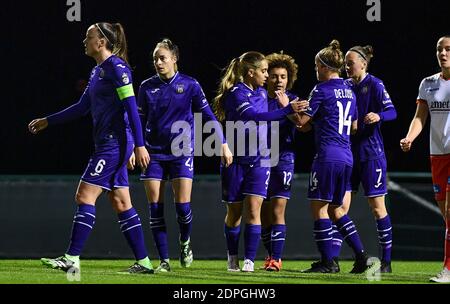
386	94
439	105
180	88
431	89
125	78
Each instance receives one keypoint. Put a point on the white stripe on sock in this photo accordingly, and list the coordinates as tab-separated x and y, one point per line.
131	227
83	224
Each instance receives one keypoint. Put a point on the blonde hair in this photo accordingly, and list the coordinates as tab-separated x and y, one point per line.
167	44
281	60
234	73
332	56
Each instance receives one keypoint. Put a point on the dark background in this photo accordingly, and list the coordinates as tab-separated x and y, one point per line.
44	63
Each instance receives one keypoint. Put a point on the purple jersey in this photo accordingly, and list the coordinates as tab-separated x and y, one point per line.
332	106
162	104
286	132
367	143
107	97
239	99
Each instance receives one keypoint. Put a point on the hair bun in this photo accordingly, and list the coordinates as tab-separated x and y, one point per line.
335	45
368	49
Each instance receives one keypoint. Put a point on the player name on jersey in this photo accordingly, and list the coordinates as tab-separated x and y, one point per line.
340	93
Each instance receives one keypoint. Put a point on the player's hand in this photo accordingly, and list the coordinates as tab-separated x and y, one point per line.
37	125
405	144
298	106
304	104
142	157
131	161
371	118
226	156
283	99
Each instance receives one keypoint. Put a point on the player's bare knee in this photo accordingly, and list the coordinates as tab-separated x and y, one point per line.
379	212
80	198
121	207
335	212
232	220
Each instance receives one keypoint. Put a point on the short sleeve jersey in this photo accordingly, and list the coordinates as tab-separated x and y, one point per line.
435	91
332	105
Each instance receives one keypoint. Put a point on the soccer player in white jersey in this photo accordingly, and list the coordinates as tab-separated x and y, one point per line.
434	100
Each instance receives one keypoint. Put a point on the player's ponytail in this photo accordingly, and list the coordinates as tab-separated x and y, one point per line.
230	78
120	47
234	73
115	38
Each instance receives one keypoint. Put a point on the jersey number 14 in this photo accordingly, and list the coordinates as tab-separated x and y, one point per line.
344	118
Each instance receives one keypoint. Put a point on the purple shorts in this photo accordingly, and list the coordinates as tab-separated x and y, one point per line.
280	181
328	181
239	180
169	169
107	167
372	175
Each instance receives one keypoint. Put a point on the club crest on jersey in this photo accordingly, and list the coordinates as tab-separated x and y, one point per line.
125	78
102	73
365	90
180	88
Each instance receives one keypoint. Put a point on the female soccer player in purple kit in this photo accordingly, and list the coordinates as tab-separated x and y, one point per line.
109	97
242	102
282	72
369	162
165	100
332	105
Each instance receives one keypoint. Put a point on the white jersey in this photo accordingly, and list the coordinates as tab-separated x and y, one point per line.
436	92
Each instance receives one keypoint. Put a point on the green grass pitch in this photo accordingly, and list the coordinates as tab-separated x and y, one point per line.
209	272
